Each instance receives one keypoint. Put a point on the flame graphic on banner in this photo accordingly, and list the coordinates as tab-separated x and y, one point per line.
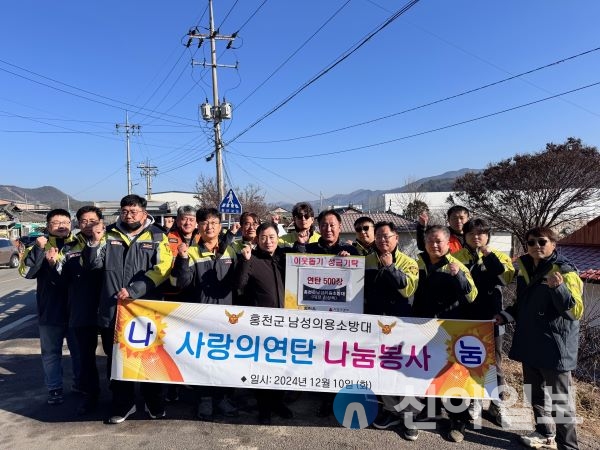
455	378
150	362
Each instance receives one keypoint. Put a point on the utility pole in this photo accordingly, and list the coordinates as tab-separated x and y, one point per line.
129	129
148	171
218	111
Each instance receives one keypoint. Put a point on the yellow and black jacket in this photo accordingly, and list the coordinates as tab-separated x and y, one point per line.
547	319
288	240
51	293
204	276
440	294
388	289
138	263
489	273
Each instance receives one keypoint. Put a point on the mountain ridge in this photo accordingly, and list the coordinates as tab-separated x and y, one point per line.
370	200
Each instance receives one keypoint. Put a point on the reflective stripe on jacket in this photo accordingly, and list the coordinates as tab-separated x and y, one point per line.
389	288
204	276
51	293
139	264
489	273
439	294
547	319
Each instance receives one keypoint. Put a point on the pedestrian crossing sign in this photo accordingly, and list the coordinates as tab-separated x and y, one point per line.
230	204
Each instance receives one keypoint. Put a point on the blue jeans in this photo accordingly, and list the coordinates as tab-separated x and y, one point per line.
51	342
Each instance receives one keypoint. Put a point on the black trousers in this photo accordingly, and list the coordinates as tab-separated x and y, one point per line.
551	397
86	339
123	392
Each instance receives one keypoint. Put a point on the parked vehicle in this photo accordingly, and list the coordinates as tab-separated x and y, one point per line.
9	254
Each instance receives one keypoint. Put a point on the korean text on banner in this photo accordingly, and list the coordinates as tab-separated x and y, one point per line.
249	347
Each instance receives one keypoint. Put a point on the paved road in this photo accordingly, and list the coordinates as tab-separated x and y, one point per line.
27	422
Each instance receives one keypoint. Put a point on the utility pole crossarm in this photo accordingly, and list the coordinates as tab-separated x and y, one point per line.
129	129
148	172
217	112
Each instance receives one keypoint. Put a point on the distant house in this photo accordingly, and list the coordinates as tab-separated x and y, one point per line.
582	248
406	229
15	222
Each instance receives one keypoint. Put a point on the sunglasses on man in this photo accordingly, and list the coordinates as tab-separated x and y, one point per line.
541	242
362	228
302	216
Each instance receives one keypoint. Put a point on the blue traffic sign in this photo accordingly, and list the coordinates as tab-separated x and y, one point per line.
230	204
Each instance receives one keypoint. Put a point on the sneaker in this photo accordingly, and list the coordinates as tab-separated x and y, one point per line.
537	440
410	434
55	397
226	408
475	408
172	394
386	420
157	414
205	409
121	417
499	414
457	431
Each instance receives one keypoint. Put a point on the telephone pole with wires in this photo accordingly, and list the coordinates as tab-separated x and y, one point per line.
216	112
148	172
129	129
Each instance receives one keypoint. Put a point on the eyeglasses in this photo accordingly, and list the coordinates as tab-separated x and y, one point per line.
385	237
364	228
55	223
130	212
302	216
250	224
541	242
86	222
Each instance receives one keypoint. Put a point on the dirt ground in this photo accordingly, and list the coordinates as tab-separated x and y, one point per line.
587	399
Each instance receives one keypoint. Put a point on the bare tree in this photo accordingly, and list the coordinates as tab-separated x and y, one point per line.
549	188
251	197
409	201
207	192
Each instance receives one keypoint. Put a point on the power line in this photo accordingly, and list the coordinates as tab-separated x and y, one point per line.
238	105
126	105
250	159
251	16
227	15
273	188
425	105
445	127
323	72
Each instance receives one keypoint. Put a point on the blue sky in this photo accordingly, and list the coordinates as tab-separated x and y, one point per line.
69	70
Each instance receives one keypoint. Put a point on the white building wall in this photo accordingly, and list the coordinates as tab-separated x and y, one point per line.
181	198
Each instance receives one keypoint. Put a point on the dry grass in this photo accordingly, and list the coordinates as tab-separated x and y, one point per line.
587	398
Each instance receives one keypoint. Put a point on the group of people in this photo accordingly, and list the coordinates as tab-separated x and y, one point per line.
457	275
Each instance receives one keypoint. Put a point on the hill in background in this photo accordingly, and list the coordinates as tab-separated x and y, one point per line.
373	200
369	200
45	194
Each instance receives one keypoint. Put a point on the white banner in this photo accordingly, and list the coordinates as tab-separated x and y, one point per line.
302	350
